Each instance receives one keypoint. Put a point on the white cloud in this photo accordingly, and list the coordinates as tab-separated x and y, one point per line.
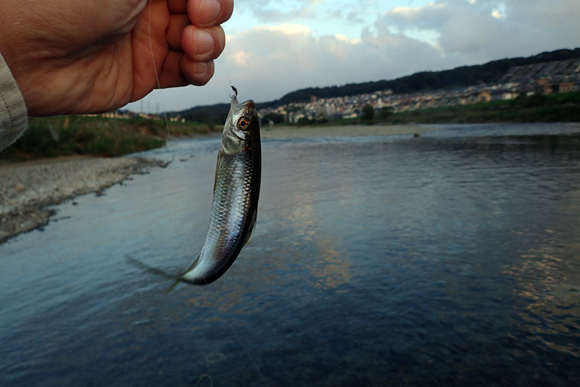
479	31
286	58
273	11
286	28
241	58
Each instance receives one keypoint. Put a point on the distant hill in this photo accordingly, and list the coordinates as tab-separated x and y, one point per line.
464	76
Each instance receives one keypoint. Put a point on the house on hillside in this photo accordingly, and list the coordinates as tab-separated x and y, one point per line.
503	95
545	87
565	87
484	97
468	99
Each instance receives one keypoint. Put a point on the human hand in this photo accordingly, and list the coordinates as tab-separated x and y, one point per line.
86	56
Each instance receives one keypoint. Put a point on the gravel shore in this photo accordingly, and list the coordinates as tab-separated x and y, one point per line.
26	189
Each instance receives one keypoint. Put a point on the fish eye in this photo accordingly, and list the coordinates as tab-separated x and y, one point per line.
243	123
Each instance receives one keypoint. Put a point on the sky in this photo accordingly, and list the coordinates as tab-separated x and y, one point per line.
274	47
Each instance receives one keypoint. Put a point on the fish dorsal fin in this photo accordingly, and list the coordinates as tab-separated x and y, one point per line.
252	228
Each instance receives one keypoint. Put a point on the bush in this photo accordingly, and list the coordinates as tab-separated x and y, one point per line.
38	141
60	136
368	113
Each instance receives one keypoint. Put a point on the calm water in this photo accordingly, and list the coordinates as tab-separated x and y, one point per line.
451	259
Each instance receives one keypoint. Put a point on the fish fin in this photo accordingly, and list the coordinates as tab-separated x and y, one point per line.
182	272
252	228
160	273
149	269
175	283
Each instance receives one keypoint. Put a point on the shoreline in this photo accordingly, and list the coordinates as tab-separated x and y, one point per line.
347	130
29	188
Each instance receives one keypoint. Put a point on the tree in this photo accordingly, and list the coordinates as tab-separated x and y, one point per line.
386	112
368	113
276	118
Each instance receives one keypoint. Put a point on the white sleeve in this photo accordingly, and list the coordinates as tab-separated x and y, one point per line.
13	114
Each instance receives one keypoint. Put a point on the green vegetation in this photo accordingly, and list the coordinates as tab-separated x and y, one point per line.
80	135
276	118
368	113
563	107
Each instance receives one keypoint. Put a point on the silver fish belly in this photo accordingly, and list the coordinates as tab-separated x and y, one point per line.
235	198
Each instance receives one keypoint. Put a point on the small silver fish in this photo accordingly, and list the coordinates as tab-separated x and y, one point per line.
235	199
235	195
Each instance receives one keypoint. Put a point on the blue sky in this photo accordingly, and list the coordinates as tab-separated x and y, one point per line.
278	46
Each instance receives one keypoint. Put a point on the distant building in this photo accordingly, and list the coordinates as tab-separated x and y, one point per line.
565	87
503	95
484	96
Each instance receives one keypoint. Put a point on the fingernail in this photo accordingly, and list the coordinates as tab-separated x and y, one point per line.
209	10
199	68
203	42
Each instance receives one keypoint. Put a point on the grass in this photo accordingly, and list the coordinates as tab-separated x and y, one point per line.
563	107
80	135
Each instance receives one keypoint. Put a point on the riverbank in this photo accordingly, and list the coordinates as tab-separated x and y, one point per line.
562	107
28	188
63	136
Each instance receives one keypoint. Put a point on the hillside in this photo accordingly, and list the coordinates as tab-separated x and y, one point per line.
464	76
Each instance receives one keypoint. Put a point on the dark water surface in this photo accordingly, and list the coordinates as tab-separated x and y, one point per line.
451	259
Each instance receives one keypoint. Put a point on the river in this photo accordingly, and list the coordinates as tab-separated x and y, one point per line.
450	259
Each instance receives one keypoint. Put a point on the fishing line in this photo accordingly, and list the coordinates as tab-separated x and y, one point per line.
158	83
225	61
226	64
156	75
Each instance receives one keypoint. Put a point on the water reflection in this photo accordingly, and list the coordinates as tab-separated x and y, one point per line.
549	281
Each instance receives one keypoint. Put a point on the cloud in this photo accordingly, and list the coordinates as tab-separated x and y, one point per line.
280	59
482	30
298	11
274	11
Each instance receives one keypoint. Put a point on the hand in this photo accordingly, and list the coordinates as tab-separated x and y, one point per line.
87	56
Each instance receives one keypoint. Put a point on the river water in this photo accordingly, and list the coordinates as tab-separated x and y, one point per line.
448	259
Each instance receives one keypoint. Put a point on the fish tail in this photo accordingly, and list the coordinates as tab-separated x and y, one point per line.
161	273
149	269
175	283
